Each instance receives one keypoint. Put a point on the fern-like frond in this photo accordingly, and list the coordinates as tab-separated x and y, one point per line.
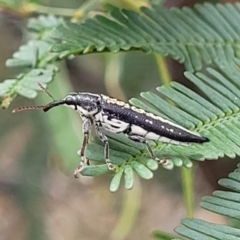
43	24
226	203
191	36
216	116
195	36
36	58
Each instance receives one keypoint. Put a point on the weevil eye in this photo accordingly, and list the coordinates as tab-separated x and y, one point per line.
69	101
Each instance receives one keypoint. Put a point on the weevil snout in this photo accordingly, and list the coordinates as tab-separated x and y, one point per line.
53	104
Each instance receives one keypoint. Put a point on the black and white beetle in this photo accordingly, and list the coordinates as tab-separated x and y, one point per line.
102	112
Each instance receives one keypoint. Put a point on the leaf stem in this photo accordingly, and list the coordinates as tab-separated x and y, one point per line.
29	8
133	5
163	69
66	12
188	190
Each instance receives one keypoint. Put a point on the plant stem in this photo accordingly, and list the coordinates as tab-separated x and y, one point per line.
188	190
163	69
27	8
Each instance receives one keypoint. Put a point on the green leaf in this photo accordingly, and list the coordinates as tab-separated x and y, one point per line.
149	163
226	203
28	55
43	24
199	229
141	170
128	177
197	36
95	169
25	84
115	183
36	58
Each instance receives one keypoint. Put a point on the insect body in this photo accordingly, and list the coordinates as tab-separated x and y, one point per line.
101	112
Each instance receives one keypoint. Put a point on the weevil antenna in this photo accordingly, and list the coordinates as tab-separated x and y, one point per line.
34	107
27	108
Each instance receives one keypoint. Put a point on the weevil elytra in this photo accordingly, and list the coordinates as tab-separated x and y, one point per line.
102	112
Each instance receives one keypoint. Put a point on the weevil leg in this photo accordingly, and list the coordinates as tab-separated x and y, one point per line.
86	127
104	139
140	139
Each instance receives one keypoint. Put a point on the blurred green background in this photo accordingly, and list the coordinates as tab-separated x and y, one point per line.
39	197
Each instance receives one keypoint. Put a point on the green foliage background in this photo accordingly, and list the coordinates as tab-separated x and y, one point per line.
204	38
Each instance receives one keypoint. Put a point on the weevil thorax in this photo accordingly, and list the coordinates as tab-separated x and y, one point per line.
87	104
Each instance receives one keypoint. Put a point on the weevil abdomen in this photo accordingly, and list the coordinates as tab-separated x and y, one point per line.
134	121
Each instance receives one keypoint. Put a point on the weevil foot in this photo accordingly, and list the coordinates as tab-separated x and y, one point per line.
164	161
110	166
78	170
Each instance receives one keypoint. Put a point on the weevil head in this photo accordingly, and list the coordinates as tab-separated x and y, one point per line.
85	103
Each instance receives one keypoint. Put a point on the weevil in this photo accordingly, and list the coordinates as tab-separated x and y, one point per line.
102	112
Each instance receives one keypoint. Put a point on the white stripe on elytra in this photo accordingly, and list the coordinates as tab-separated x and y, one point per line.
151	115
